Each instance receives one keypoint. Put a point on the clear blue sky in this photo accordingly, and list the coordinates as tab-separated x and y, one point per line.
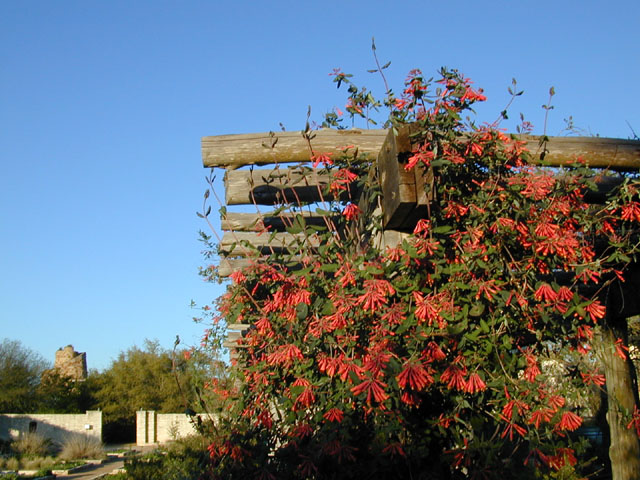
103	104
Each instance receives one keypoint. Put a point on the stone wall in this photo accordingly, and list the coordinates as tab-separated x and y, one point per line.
55	426
153	428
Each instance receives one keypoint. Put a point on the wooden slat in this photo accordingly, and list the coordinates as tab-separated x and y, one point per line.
255	222
263	241
255	148
274	186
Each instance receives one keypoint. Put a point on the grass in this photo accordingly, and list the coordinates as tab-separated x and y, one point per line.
81	446
32	444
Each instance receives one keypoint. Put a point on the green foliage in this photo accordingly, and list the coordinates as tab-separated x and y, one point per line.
182	464
20	371
149	378
59	394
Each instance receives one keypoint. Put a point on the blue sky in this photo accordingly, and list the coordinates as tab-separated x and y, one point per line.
103	104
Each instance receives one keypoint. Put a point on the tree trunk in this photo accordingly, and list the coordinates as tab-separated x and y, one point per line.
624	450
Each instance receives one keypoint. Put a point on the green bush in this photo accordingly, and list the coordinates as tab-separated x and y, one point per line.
187	465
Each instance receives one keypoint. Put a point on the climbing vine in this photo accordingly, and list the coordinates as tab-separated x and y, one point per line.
466	350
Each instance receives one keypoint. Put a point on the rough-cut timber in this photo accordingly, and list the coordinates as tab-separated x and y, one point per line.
274	186
614	153
234	151
258	222
235	243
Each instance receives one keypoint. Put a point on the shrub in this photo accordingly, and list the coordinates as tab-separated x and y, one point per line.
81	446
32	444
12	464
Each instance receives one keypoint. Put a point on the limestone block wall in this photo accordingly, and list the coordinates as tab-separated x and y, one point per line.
55	426
154	428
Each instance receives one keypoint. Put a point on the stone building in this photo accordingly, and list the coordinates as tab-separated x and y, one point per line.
71	364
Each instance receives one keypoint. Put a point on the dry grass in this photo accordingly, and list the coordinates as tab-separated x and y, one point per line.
32	444
77	447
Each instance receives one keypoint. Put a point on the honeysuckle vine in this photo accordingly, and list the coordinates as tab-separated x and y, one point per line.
464	351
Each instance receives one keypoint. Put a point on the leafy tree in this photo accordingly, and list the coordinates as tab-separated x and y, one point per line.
57	393
467	350
20	371
149	378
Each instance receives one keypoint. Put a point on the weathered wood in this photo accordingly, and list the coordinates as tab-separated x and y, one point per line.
274	186
229	265
398	186
234	151
238	326
624	450
235	243
256	222
614	153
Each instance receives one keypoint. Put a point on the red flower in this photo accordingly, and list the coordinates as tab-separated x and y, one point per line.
351	211
394	449
375	295
422	155
541	415
593	377
453	376
334	415
545	293
569	421
596	310
631	211
621	349
285	355
414	376
374	389
475	384
324	158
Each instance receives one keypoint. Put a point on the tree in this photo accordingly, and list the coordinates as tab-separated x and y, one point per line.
57	393
149	378
431	359
20	371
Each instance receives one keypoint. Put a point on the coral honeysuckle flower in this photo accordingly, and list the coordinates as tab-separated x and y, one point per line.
545	293
621	349
631	211
422	155
321	158
453	376
351	211
374	389
569	421
541	415
593	377
596	310
334	415
475	384
414	376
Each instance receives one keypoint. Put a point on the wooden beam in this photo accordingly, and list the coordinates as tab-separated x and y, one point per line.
398	185
614	153
234	151
258	222
274	186
236	243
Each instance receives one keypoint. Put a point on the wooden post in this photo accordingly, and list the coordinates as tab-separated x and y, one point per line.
624	450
